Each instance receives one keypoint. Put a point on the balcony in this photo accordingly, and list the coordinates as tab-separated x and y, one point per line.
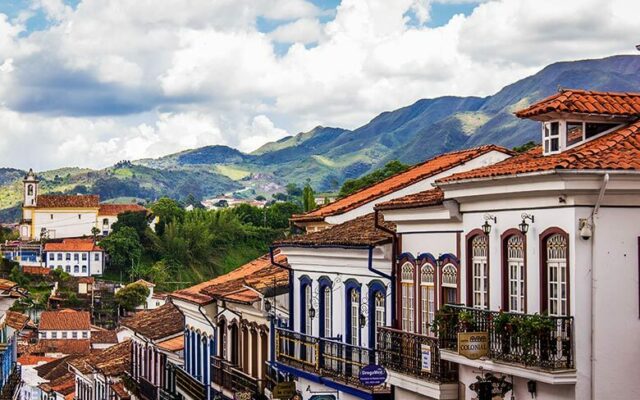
525	340
325	358
147	390
189	386
11	384
230	377
403	352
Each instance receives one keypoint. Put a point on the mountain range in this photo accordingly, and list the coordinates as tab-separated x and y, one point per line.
327	156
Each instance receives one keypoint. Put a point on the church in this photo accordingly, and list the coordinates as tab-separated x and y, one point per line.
65	216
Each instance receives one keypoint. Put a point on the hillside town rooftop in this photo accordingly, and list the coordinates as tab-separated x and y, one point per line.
399	181
72	245
113	210
63	201
618	151
114	361
158	323
359	232
585	102
426	198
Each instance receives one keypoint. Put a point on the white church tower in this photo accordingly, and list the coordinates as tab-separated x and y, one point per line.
30	202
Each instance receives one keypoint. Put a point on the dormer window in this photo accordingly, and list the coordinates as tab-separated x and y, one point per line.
560	135
551	138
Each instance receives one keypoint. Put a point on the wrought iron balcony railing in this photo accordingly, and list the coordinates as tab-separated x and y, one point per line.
230	377
189	385
539	341
147	390
328	358
414	354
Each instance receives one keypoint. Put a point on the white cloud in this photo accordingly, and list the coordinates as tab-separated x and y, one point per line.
130	79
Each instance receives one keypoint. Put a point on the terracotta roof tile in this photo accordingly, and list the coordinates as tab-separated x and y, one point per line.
173	344
359	232
113	210
399	181
259	274
104	337
32	270
158	323
120	391
587	102
6	284
72	245
28	359
66	319
421	199
63	346
113	361
64	201
197	294
16	320
617	150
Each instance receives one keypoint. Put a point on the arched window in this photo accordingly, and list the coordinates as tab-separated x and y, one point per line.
355	317
105	222
376	309
427	297
556	252
308	328
30	190
407	282
326	304
480	271
449	284
515	273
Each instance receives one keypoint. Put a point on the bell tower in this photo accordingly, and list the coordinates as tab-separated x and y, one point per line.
30	182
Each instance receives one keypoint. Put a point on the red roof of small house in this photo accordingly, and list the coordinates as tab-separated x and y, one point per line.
104	337
260	275
197	293
16	320
72	245
87	279
399	181
426	198
358	232
113	361
63	346
28	359
120	391
618	151
113	210
68	201
158	323
6	284
586	102
33	270
65	320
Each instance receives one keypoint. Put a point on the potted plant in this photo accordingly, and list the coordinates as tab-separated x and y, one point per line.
503	325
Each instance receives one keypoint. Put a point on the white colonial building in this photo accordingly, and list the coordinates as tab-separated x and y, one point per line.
77	257
65	216
65	324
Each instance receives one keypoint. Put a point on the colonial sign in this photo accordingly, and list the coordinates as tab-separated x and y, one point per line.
473	345
425	351
242	396
284	390
373	375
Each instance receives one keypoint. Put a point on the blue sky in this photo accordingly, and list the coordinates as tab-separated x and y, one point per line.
90	82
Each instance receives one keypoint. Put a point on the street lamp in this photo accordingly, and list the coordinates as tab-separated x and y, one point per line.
524	227
486	227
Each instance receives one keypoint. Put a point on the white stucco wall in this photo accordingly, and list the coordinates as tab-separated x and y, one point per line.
64	223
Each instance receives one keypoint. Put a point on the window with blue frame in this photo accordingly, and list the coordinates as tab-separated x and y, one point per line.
353	311
377	309
306	306
326	304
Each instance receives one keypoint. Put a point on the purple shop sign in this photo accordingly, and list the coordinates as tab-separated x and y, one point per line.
373	375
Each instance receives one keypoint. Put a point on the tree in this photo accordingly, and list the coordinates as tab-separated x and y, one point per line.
167	211
278	214
525	147
353	185
123	247
132	219
293	190
132	296
308	198
260	198
95	232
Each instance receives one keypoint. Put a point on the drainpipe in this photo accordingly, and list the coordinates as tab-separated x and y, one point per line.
288	268
594	213
394	256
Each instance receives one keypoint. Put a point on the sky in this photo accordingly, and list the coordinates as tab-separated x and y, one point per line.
91	82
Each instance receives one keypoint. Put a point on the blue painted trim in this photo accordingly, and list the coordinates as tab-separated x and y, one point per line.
323	283
375	287
448	257
325	381
349	285
304	282
407	256
428	257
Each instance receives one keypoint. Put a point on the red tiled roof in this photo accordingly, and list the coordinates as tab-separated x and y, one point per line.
158	323
117	209
173	344
32	270
66	201
114	361
617	150
120	391
6	284
196	294
16	320
421	199
104	337
68	320
87	279
359	232
586	102
63	346
28	359
399	181
72	245
260	275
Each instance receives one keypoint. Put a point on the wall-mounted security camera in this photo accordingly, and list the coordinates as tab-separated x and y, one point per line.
585	229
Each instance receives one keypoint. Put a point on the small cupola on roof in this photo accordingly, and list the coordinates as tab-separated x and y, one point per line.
572	117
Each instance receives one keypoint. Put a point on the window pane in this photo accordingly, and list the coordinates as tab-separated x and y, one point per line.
593	129
574	133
